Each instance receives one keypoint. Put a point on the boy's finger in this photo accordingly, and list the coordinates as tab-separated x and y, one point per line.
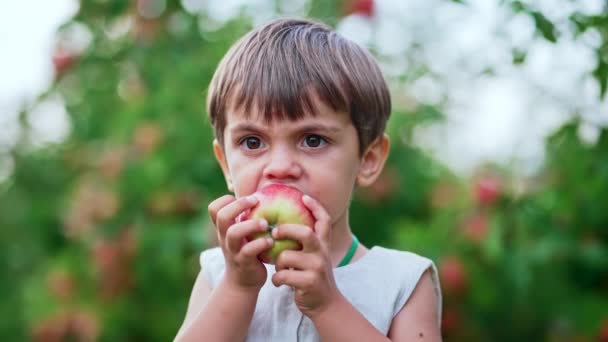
255	247
294	278
301	233
218	204
322	218
239	231
227	215
298	260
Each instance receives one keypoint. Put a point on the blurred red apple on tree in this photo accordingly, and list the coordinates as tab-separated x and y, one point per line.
476	228
63	61
454	279
362	7
61	284
450	321
487	190
51	329
278	204
603	334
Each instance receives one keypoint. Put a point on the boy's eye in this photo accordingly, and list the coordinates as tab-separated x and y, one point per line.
314	141
252	143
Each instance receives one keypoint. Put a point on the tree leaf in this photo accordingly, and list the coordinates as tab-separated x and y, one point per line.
544	26
601	74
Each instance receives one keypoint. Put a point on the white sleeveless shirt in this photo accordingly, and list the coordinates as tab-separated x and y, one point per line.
378	285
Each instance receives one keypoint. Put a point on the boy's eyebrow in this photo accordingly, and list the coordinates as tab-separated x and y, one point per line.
319	128
248	127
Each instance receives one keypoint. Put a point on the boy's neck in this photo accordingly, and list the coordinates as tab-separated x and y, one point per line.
341	239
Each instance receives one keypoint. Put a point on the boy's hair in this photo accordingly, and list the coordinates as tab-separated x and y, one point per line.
282	66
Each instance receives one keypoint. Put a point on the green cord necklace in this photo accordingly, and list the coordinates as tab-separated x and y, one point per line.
351	252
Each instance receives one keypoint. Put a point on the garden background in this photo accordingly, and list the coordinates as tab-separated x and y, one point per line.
102	225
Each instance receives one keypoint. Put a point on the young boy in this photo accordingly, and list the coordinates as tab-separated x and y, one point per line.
295	103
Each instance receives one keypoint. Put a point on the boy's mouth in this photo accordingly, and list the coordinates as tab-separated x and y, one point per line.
280	184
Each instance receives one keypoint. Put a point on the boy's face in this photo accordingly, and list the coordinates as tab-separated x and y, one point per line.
319	155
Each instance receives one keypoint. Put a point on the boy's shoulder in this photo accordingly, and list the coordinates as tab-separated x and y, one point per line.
392	273
389	255
400	267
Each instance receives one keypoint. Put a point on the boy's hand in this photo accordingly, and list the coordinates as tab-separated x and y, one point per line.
309	271
243	268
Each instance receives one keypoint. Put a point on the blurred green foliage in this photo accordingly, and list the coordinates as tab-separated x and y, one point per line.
102	232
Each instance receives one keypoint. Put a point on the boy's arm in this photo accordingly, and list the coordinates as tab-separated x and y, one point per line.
220	314
224	313
417	321
198	298
341	321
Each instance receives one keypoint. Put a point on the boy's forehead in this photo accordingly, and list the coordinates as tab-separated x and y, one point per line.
322	115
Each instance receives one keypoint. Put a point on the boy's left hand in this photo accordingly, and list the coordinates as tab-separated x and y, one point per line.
309	270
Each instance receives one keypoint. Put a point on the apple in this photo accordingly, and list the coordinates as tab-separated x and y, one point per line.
361	7
603	333
451	320
488	190
61	284
63	61
476	228
278	204
454	277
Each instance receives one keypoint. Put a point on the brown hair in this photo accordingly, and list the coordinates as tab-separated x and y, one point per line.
281	66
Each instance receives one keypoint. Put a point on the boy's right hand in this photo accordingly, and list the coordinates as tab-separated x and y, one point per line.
243	268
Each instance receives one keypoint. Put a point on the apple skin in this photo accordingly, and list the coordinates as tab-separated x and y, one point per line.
278	204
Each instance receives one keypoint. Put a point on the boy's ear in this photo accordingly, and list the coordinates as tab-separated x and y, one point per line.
372	161
221	159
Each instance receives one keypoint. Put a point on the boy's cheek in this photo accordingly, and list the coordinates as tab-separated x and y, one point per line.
244	187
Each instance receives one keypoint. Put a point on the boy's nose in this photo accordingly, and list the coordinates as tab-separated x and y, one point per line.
282	165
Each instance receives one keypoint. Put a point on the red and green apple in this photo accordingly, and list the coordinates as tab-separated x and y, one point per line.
278	204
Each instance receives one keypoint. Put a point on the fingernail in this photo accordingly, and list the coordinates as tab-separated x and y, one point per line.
275	233
305	198
270	241
263	224
252	199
